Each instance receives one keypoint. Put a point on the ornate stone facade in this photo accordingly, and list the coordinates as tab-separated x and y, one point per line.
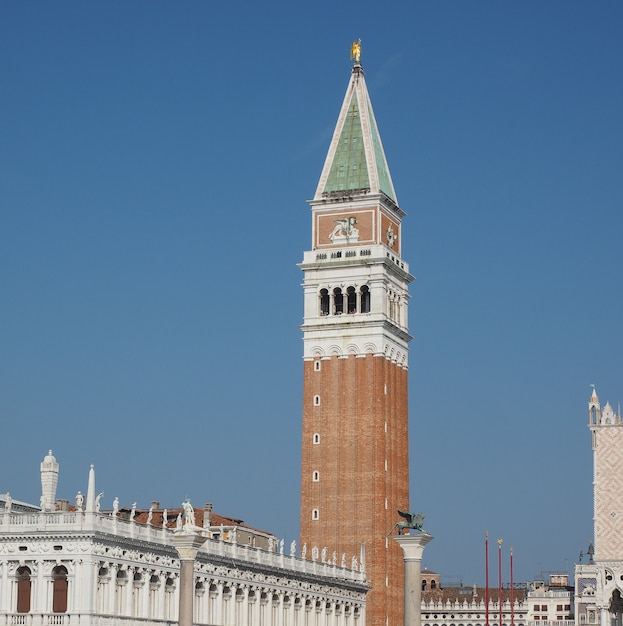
599	583
81	567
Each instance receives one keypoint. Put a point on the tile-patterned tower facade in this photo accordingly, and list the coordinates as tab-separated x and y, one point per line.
606	569
355	471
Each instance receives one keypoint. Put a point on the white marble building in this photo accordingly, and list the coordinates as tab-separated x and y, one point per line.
536	603
82	566
599	583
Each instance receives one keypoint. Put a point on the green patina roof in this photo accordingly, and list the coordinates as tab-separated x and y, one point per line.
349	169
385	181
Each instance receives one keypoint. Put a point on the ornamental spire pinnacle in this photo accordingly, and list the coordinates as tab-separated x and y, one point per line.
356	163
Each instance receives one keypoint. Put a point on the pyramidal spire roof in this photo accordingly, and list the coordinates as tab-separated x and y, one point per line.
356	161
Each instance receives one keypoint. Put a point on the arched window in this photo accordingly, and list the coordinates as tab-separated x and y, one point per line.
122	580
433	584
315	515
365	299
169	602
338	301
23	590
423	585
324	302
316	476
59	589
352	300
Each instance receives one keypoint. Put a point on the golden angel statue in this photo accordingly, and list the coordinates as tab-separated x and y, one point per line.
355	51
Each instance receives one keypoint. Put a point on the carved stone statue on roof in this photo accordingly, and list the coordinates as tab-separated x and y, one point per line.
189	514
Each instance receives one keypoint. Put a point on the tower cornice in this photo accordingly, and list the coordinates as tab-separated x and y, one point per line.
358	197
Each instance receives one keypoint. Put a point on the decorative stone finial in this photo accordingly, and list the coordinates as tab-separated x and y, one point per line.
49	482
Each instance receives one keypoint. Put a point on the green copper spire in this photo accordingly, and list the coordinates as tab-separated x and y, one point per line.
356	161
349	169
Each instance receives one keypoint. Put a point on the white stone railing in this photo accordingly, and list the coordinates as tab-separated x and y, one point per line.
329	254
472	607
551	594
275	559
80	521
75	619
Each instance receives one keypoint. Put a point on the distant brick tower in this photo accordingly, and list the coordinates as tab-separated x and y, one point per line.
355	471
605	603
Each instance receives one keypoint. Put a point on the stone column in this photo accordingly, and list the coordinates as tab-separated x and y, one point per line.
413	548
187	544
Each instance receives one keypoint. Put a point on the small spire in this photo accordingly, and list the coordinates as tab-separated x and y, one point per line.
91	490
49	482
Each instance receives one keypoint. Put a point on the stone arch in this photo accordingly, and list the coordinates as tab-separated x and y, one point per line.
60	587
616	605
334	350
369	348
323	301
24	587
352	348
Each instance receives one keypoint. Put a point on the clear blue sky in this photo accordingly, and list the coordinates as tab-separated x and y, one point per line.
156	159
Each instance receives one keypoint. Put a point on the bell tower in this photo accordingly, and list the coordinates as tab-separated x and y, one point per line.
355	470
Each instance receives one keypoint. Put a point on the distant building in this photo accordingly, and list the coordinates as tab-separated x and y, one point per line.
457	605
75	565
599	583
551	604
537	603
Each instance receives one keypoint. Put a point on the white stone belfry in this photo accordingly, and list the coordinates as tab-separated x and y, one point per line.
49	482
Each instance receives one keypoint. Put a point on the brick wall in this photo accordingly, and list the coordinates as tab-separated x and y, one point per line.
357	407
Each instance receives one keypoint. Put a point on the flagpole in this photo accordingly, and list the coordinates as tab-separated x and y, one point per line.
487	577
500	579
512	592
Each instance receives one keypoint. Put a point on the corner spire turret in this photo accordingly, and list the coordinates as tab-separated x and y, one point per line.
49	482
356	163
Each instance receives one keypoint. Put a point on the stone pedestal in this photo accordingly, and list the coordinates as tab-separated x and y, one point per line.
187	544
412	548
